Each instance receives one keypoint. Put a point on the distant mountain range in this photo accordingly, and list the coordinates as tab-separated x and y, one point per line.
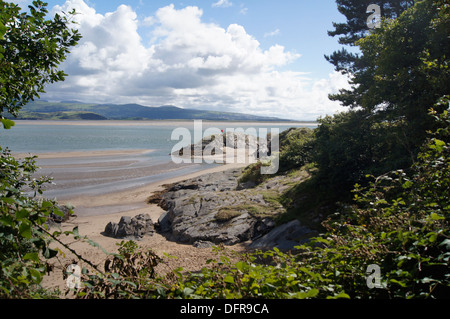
73	110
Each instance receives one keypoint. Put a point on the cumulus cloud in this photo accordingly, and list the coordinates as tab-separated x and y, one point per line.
189	63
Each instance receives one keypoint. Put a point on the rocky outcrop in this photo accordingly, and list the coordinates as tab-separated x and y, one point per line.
131	228
210	209
219	145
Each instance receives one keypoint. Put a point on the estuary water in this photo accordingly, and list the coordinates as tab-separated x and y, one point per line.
97	157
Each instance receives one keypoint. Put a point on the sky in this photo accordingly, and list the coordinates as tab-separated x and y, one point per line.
261	57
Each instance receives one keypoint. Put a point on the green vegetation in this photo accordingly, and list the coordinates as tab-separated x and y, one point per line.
31	49
30	52
41	110
227	213
377	179
57	116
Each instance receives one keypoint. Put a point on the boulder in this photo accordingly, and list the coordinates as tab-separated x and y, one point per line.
54	219
284	237
131	228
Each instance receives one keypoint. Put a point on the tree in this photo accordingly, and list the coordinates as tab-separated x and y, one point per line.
31	50
350	145
356	14
356	27
403	70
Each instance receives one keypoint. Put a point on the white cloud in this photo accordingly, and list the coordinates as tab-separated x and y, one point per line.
189	63
222	4
272	34
243	10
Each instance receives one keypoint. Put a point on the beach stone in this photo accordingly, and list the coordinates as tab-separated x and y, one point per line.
54	219
131	228
284	237
203	244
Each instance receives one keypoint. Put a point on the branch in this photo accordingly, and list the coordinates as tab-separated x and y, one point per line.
70	249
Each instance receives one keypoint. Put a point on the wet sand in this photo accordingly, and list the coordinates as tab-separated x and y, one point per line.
81	175
78	154
93	211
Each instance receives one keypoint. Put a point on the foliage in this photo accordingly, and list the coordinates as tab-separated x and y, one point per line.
31	49
129	274
350	145
355	28
295	148
403	69
295	151
401	72
24	241
269	275
400	222
355	11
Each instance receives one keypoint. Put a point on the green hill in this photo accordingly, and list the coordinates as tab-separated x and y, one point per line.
72	110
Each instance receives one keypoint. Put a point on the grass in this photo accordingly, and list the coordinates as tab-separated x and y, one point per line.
226	214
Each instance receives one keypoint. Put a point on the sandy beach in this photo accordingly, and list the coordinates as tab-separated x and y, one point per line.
112	206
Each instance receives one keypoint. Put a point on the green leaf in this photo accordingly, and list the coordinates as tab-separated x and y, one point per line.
23	213
432	236
36	276
2	30
435	216
407	184
188	291
25	230
8	200
47	204
229	279
50	253
7	220
402	284
7	124
341	295
32	256
438	145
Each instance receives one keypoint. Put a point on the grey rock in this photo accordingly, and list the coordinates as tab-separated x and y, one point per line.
131	228
203	244
214	209
54	219
164	224
284	237
192	207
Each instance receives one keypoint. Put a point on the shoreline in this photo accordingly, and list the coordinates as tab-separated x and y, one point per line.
92	226
136	195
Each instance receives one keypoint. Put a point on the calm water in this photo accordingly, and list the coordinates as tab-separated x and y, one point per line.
97	175
60	137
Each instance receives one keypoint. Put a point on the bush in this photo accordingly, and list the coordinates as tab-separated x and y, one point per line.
24	237
399	222
295	148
